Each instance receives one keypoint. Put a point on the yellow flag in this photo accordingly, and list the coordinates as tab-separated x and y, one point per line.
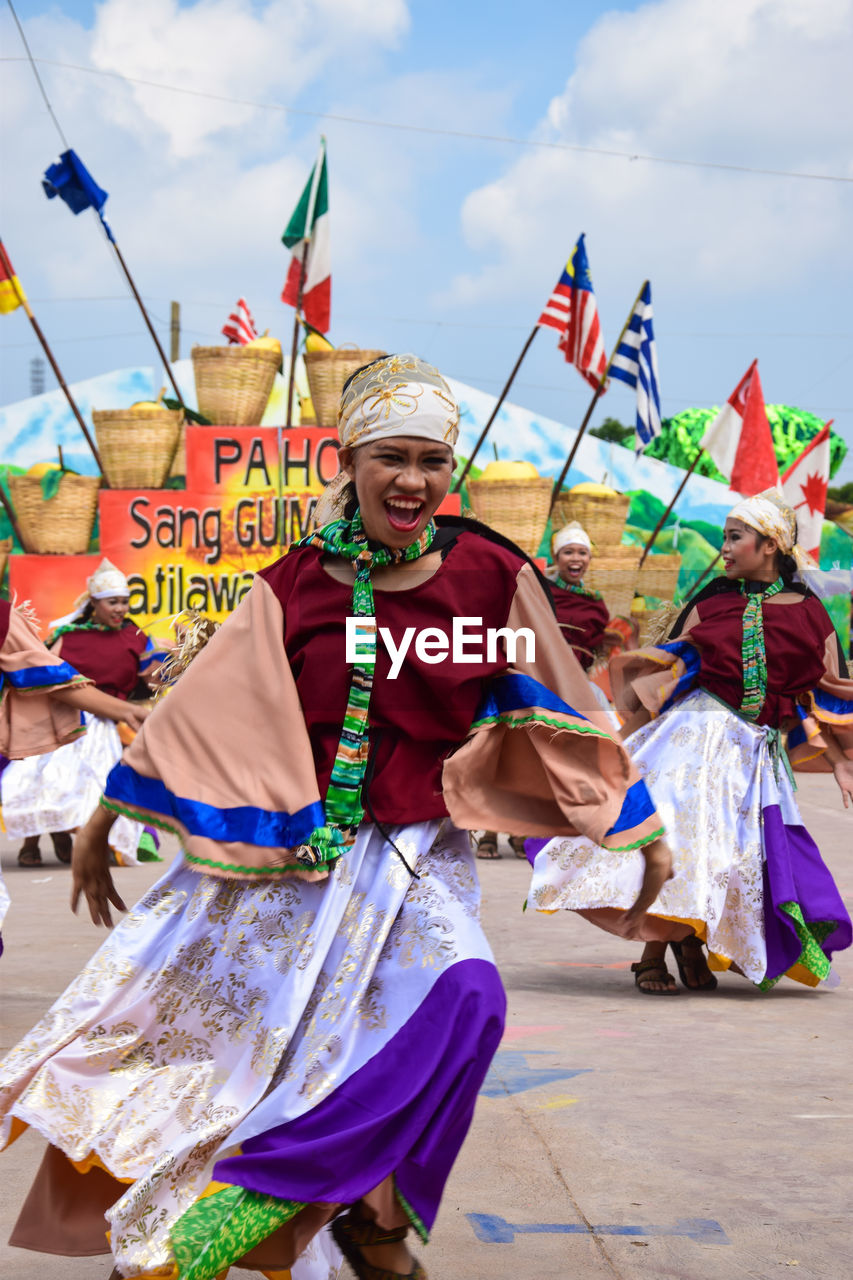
11	293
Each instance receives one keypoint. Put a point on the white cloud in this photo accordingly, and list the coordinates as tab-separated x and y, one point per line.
233	48
762	83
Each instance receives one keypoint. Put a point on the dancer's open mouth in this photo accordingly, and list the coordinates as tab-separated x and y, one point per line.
403	513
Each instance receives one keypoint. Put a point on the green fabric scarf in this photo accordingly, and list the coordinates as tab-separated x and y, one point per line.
578	588
753	651
347	539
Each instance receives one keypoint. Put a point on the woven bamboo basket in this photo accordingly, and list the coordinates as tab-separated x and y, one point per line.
327	372
179	461
63	524
233	384
137	445
5	548
602	515
659	576
614	574
516	508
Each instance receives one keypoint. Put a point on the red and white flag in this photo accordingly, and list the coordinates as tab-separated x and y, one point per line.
740	440
804	485
240	327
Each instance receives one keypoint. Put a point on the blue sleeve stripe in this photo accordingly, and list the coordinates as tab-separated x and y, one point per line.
686	653
515	692
244	823
636	808
836	706
42	677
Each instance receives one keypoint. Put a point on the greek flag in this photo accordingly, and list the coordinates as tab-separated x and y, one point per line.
636	362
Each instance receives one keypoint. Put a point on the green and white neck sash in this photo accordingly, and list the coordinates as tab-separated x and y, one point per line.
753	651
347	539
578	588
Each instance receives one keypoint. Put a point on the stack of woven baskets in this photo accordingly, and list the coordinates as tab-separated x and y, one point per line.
61	525
615	570
233	383
514	499
327	372
138	445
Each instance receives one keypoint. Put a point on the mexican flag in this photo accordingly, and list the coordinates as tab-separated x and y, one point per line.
307	234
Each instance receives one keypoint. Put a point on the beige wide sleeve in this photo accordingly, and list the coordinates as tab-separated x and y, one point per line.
541	759
31	721
224	759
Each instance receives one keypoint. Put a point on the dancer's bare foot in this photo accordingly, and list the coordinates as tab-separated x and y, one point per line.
657	870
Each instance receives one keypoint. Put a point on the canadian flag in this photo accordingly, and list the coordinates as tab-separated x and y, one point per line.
740	440
804	485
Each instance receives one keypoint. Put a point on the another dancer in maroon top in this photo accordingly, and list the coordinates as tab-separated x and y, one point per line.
583	618
57	795
581	613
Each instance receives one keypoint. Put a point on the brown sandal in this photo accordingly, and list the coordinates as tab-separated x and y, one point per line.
690	956
353	1230
62	845
646	969
516	843
29	854
487	847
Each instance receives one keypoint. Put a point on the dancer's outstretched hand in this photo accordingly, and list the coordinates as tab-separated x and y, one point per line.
658	869
843	770
90	869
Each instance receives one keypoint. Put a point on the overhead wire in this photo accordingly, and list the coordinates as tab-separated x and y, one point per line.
435	131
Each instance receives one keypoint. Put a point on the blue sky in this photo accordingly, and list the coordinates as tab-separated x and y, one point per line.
446	245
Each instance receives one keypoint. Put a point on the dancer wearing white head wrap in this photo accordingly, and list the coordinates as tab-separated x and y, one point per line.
304	1008
57	793
751	657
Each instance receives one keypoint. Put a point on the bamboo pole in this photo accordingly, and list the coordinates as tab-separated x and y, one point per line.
660	524
7	267
701	579
291	385
494	413
599	391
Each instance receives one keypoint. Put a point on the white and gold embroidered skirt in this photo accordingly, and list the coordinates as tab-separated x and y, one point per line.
59	791
225	1018
747	878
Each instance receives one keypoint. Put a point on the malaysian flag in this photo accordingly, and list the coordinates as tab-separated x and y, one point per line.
240	327
636	362
572	310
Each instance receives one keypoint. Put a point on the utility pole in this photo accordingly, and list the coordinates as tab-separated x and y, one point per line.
175	331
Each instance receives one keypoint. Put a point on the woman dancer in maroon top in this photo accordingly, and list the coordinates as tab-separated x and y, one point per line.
755	655
57	794
305	1006
582	616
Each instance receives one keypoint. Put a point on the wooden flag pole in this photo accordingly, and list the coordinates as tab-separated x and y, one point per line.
291	386
7	267
145	315
660	524
599	391
494	413
291	382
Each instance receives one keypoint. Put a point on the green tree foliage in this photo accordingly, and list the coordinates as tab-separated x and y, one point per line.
614	431
841	492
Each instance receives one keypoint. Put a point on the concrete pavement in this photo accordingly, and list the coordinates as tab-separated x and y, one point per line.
618	1135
